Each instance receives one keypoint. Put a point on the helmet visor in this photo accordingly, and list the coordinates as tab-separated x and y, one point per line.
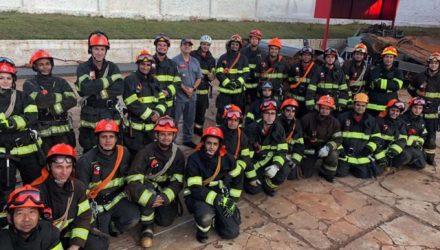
61	158
22	197
233	114
165	122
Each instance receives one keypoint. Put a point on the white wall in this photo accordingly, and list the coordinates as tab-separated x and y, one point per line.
410	12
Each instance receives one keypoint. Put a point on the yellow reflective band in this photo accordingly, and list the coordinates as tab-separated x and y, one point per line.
62	224
250	116
236	193
383	84
195	180
145	197
236	171
274	76
146	113
164	78
431	116
403	136
202	91
433	95
142	126
246	70
24	150
342	101
58	108
355	135
397	148
105	83
356	161
388	137
251	174
33	95
19	122
270	183
169	193
147	218
116	182
399	82
83	207
229	91
251	85
170	103
297	157
31	108
282	146
129	100
177	177
245	152
172	90
205	71
104	94
162	178
115	201
147	99
278	159
329	168
115	77
380	155
219	70
312	87
252	66
210	198
429	151
83	78
241	80
225	82
325	85
203	229
81	233
161	108
309	151
87	124
177	79
376	107
414	138
58	97
58	246
372	146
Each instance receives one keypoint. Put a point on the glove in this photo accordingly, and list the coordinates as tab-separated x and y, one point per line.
271	171
418	145
324	151
292	164
228	206
391	154
366	152
255	183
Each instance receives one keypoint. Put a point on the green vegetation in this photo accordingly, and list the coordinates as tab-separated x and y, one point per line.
15	25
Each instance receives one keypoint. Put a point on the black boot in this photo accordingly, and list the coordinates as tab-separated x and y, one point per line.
147	236
201	237
327	177
430	159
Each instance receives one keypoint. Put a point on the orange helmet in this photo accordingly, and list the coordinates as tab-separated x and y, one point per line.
326	100
289	102
235	38
390	50
25	197
434	57
165	124
213	131
98	38
417	101
395	103
40	54
232	111
268	105
62	149
144	56
106	126
162	38
360	47
275	42
361	97
8	66
256	33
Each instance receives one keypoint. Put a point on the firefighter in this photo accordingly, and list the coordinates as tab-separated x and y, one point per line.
322	137
412	154
18	149
393	133
269	148
273	68
212	190
294	136
427	86
299	77
384	82
254	55
207	64
166	71
266	94
155	179
232	71
67	199
356	71
26	230
360	140
99	82
145	102
237	144
103	171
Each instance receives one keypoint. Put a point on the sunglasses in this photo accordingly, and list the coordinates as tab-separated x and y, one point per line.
61	159
6	60
22	197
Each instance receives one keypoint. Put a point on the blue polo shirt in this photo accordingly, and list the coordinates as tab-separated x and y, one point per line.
189	73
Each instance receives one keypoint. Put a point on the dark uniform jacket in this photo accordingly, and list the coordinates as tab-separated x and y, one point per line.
296	72
274	72
415	128
207	64
254	113
254	59
319	131
168	77
394	134
353	73
294	138
428	87
232	80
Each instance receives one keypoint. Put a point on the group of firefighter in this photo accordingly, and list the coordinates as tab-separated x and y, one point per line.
275	121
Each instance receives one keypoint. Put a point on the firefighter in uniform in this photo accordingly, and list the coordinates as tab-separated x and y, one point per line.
214	185
254	55
393	133
99	82
384	82
166	71
413	154
67	199
26	230
232	71
269	148
294	136
145	103
427	86
360	140
329	80
322	137
207	64
18	149
273	68
54	97
103	171
155	179
265	94
299	77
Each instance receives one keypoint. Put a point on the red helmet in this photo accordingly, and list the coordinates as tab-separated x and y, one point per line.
275	42
6	67
434	57
40	54
165	124
62	149
256	33
25	197
289	102
213	131
106	126
144	56
417	101
232	111
98	38
162	38
326	100
395	103
268	105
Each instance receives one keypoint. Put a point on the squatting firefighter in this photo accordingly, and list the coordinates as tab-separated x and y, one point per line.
237	144
294	136
393	133
299	78
53	97
166	71
26	229
145	102
232	71
155	179
254	55
384	82
360	140
265	94
273	68
67	199
207	64
99	82
322	137
269	148
413	154
103	170
213	187
427	86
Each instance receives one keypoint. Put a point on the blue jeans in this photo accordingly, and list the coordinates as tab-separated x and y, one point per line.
188	109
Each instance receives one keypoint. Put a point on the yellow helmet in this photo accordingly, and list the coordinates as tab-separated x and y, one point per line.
390	50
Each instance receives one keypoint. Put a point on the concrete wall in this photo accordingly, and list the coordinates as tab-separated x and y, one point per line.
410	12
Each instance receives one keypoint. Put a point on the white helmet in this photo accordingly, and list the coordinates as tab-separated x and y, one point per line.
206	39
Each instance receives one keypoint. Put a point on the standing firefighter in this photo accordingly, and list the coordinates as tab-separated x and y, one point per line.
265	94
322	137
99	82
427	86
232	71
145	103
155	179
54	97
213	187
